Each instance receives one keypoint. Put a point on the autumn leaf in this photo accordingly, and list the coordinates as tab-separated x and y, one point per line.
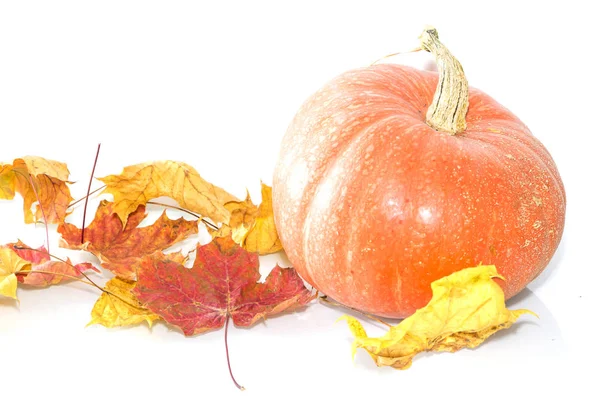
252	227
42	271
10	265
50	179
120	248
120	307
467	307
140	183
222	284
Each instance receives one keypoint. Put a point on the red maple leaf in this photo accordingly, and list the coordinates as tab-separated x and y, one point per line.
120	248
44	271
221	285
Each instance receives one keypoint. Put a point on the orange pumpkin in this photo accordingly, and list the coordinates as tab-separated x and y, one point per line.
390	178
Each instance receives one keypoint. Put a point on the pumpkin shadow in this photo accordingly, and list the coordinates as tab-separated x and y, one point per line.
543	327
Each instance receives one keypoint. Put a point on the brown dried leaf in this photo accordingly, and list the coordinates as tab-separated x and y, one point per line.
120	248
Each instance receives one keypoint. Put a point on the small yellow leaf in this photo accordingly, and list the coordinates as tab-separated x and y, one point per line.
112	312
10	264
138	184
466	308
252	227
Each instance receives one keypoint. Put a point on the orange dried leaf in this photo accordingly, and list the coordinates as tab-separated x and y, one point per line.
140	183
252	227
466	308
221	284
120	248
50	179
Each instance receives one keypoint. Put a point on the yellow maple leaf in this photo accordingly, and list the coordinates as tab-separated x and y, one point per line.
252	227
139	183
10	264
50	179
466	308
112	311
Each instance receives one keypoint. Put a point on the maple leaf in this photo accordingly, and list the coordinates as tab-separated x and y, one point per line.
466	308
139	183
10	265
120	307
120	248
42	271
222	283
252	227
50	179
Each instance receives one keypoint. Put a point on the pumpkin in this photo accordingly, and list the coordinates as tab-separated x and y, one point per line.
390	178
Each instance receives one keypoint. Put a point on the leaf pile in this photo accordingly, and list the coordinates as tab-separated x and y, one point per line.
151	284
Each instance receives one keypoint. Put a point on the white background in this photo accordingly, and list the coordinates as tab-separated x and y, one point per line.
216	86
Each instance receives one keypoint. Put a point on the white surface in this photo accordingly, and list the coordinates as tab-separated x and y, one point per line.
216	86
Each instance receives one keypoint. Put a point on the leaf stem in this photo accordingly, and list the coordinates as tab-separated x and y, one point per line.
37	197
75	278
227	353
324	299
204	220
157	203
87	196
43	212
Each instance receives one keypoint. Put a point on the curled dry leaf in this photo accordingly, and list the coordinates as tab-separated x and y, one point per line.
42	271
10	264
138	184
50	179
120	248
252	227
466	308
33	267
221	284
111	311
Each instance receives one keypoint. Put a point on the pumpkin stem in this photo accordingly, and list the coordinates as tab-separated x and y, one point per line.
447	112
